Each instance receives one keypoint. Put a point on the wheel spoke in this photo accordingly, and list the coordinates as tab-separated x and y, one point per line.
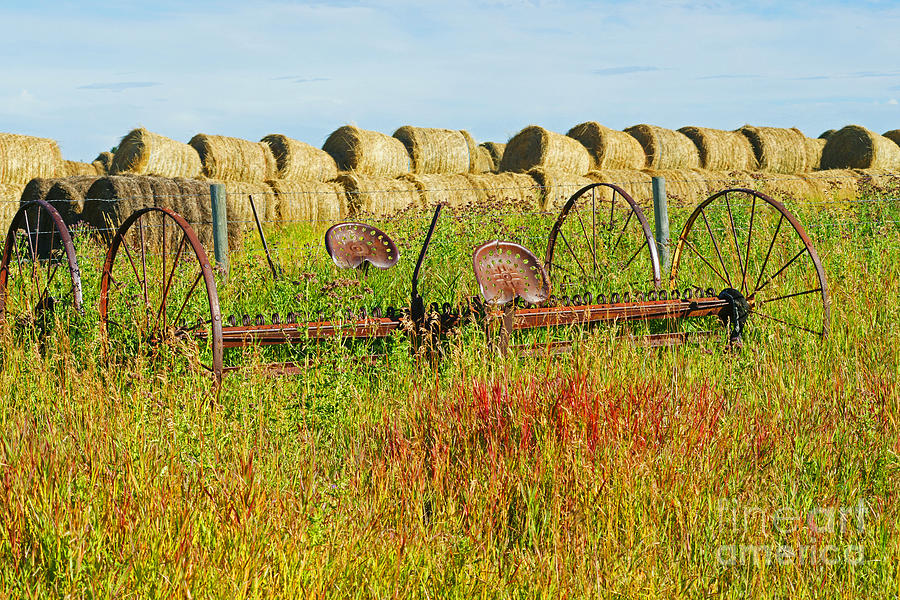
768	253
619	238
47	287
167	285
747	256
143	259
783	322
737	247
803	293
716	246
187	297
572	252
708	264
584	231
789	263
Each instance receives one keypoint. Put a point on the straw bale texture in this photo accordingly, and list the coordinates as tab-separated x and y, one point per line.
143	152
309	201
298	160
814	148
826	134
368	153
454	190
610	149
73	168
104	160
234	159
838	184
777	149
502	190
855	147
787	187
484	162
23	157
438	151
893	135
721	150
379	196
496	150
240	211
37	189
557	186
67	196
665	148
684	187
878	181
537	147
635	183
9	203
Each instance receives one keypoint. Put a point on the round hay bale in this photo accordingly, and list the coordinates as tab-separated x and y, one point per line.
826	134
67	196
73	168
665	148
837	184
855	147
484	162
314	201
814	148
635	183
609	148
234	159
10	193
777	149
379	196
787	187
893	135
557	186
438	151
111	199
500	191
721	150
368	153
537	147
684	187
24	157
143	152
878	181
496	150
298	160
104	159
453	190
240	212
37	189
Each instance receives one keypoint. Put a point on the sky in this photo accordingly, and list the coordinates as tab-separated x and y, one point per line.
86	73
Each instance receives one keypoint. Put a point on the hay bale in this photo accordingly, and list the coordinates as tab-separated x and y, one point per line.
298	160
878	182
609	148
24	157
500	191
855	147
379	196
454	190
893	135
104	160
67	196
785	186
537	147
636	184
9	204
240	212
814	148
73	168
777	149
484	162
684	187
721	150
557	186
496	150
368	153
37	189
438	151
234	159
665	148
143	152
837	184
826	134
315	201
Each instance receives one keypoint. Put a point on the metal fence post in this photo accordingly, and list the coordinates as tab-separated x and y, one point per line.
661	217
220	224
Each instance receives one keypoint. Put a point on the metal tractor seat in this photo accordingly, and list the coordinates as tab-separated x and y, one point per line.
351	244
506	270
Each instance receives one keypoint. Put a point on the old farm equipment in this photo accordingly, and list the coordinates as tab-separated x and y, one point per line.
741	255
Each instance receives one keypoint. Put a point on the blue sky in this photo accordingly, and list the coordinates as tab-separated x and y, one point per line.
86	73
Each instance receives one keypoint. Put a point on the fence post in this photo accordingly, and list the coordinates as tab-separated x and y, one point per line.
661	217
220	225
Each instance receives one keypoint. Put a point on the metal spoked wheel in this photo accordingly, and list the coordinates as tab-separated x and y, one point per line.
601	242
40	285
152	288
743	240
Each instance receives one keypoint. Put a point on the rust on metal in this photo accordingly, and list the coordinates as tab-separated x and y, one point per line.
351	244
506	271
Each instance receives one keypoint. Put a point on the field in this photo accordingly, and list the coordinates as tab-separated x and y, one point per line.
613	471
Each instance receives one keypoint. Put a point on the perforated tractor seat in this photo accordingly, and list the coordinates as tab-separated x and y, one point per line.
506	271
351	244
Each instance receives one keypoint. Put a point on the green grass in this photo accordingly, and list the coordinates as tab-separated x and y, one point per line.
615	471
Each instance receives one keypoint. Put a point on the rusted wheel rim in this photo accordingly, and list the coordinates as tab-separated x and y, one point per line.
745	240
